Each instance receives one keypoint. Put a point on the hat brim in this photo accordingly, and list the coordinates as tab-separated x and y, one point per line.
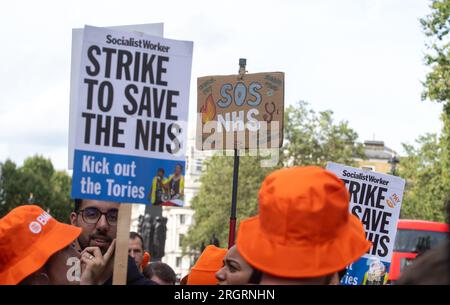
202	277
60	236
306	258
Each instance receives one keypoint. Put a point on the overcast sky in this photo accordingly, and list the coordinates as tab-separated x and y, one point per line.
363	59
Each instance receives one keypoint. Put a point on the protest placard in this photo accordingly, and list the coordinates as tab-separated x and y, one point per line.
153	29
131	117
376	200
240	111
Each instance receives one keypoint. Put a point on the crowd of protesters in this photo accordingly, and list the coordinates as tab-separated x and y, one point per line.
303	234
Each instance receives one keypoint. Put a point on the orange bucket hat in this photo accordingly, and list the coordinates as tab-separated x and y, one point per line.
29	236
146	258
304	228
204	270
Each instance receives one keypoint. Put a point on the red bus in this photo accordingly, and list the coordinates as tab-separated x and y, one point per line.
409	235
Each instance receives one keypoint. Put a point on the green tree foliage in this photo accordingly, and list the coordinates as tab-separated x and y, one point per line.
50	188
437	84
436	27
422	168
427	168
213	203
314	138
310	139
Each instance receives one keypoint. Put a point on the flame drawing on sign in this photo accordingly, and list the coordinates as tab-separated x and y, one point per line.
208	110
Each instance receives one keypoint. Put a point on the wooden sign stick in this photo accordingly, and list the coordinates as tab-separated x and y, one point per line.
121	252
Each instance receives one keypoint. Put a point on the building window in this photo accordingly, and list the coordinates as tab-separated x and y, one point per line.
198	165
180	240
178	261
182	219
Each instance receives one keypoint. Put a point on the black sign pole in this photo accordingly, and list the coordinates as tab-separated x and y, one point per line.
232	233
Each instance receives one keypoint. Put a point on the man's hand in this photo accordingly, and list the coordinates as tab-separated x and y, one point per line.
94	264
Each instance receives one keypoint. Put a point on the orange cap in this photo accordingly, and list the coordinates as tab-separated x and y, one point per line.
29	236
204	270
145	259
304	227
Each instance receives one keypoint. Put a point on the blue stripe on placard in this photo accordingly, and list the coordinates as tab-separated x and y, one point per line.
358	273
113	177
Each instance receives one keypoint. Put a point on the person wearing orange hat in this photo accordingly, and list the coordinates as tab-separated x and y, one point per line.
37	249
304	233
236	271
204	270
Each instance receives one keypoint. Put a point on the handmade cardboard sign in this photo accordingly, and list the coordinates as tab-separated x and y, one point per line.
240	111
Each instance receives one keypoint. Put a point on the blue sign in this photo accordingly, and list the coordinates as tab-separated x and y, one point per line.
367	271
111	177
